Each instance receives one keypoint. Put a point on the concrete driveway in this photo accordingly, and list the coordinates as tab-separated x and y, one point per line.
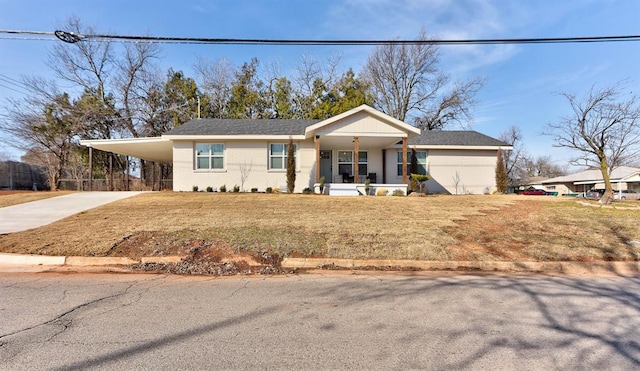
38	213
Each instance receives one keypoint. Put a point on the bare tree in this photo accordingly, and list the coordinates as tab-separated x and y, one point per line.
87	64
451	108
406	80
604	130
515	158
44	126
310	74
245	170
456	181
215	78
542	166
135	74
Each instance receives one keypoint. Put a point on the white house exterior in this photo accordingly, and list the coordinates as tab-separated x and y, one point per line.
350	148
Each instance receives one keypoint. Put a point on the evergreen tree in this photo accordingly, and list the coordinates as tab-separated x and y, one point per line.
502	181
291	167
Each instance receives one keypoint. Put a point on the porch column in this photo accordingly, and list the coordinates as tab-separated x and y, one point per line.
404	160
110	171
355	159
127	173
90	168
318	160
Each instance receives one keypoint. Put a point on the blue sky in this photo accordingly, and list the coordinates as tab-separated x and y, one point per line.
523	82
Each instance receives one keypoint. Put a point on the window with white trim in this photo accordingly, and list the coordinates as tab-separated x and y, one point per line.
421	157
209	156
278	155
345	163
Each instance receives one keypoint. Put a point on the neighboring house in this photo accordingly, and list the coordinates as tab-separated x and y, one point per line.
346	150
622	178
526	183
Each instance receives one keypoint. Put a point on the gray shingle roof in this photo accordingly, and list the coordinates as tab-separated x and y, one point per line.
455	138
297	127
242	127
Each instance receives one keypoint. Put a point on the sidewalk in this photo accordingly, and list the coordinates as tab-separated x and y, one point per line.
35	214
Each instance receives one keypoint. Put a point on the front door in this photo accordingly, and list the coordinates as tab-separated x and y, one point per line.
325	166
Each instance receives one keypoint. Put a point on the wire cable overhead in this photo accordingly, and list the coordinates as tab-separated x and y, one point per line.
72	38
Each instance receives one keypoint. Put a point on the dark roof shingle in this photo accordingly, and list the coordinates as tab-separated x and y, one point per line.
242	127
455	138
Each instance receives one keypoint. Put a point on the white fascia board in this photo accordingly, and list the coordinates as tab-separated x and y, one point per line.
482	148
234	137
89	142
367	135
592	181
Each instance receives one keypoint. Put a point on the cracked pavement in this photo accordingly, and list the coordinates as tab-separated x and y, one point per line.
334	321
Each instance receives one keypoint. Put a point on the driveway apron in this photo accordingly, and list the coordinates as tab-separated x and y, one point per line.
36	214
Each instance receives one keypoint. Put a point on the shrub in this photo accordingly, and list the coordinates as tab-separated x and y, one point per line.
382	192
398	192
223	188
236	188
415	184
291	167
194	188
209	189
269	190
307	191
254	190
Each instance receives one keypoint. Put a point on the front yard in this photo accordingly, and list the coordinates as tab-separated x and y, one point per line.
470	227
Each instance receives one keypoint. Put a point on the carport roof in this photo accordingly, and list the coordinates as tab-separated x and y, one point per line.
151	149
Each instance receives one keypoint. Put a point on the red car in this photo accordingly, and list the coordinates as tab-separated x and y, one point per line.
534	192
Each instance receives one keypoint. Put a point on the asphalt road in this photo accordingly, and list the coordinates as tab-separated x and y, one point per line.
125	321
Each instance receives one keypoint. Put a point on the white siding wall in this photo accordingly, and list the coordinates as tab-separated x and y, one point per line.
475	169
360	124
254	153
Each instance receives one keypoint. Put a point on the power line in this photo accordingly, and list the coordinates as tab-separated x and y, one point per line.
71	37
10	88
16	85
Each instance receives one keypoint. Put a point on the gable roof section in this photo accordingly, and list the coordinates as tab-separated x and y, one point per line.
594	176
409	129
457	138
224	127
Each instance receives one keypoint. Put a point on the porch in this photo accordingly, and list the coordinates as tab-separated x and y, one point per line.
360	189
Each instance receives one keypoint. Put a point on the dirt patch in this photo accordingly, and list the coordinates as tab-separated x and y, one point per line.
547	231
201	257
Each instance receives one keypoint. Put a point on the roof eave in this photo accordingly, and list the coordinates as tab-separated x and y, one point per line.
459	146
234	137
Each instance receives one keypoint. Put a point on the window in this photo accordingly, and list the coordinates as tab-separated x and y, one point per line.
278	155
209	156
421	157
345	162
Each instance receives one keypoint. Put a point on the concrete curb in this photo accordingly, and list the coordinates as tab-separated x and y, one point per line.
20	259
629	269
81	261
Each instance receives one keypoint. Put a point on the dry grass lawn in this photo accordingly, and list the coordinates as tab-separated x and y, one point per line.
9	198
470	227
